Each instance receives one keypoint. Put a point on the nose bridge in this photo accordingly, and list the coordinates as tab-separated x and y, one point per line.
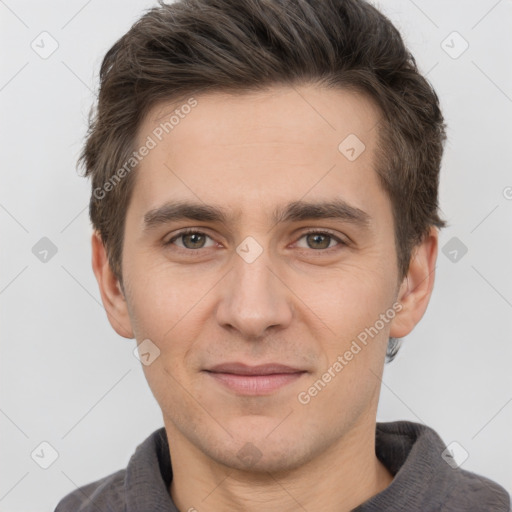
254	298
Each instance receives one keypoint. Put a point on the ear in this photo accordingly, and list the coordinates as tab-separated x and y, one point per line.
110	289
416	288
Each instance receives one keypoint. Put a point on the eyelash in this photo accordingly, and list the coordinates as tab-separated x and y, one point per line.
191	231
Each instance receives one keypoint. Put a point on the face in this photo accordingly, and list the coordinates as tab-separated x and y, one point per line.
258	255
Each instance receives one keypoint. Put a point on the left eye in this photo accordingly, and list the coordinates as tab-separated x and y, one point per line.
319	240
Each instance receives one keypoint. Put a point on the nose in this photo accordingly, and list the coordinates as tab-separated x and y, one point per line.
254	299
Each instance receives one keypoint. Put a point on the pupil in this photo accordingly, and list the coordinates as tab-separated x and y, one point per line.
195	239
318	238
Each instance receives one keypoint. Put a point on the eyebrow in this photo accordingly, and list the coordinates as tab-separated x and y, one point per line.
292	212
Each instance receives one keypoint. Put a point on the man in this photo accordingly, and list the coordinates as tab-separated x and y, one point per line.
264	199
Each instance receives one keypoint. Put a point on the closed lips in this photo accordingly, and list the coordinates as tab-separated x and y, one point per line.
263	369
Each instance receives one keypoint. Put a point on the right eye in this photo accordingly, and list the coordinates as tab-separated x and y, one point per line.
190	240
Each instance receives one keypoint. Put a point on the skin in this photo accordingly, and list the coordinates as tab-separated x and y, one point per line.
298	303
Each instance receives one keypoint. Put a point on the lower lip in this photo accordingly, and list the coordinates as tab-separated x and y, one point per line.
255	384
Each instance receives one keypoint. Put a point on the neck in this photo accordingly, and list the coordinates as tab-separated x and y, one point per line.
339	479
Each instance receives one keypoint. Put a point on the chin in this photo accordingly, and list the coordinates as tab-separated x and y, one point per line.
262	451
272	459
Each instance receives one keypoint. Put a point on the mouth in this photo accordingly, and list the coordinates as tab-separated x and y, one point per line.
254	380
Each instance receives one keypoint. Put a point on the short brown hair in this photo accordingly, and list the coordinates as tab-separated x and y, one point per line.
192	46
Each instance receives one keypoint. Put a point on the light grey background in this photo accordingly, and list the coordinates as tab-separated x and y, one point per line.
69	380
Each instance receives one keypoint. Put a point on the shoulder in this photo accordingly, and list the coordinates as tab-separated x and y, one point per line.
146	477
105	494
473	492
427	476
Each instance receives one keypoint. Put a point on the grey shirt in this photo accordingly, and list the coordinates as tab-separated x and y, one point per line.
423	480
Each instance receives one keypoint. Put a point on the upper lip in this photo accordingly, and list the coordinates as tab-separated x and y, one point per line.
261	369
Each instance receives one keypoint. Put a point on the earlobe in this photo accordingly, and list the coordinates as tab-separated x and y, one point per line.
416	288
111	292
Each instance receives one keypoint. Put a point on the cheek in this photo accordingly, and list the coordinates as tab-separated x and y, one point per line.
163	299
348	300
354	348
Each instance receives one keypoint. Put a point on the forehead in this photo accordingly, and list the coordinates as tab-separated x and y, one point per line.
282	113
259	148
